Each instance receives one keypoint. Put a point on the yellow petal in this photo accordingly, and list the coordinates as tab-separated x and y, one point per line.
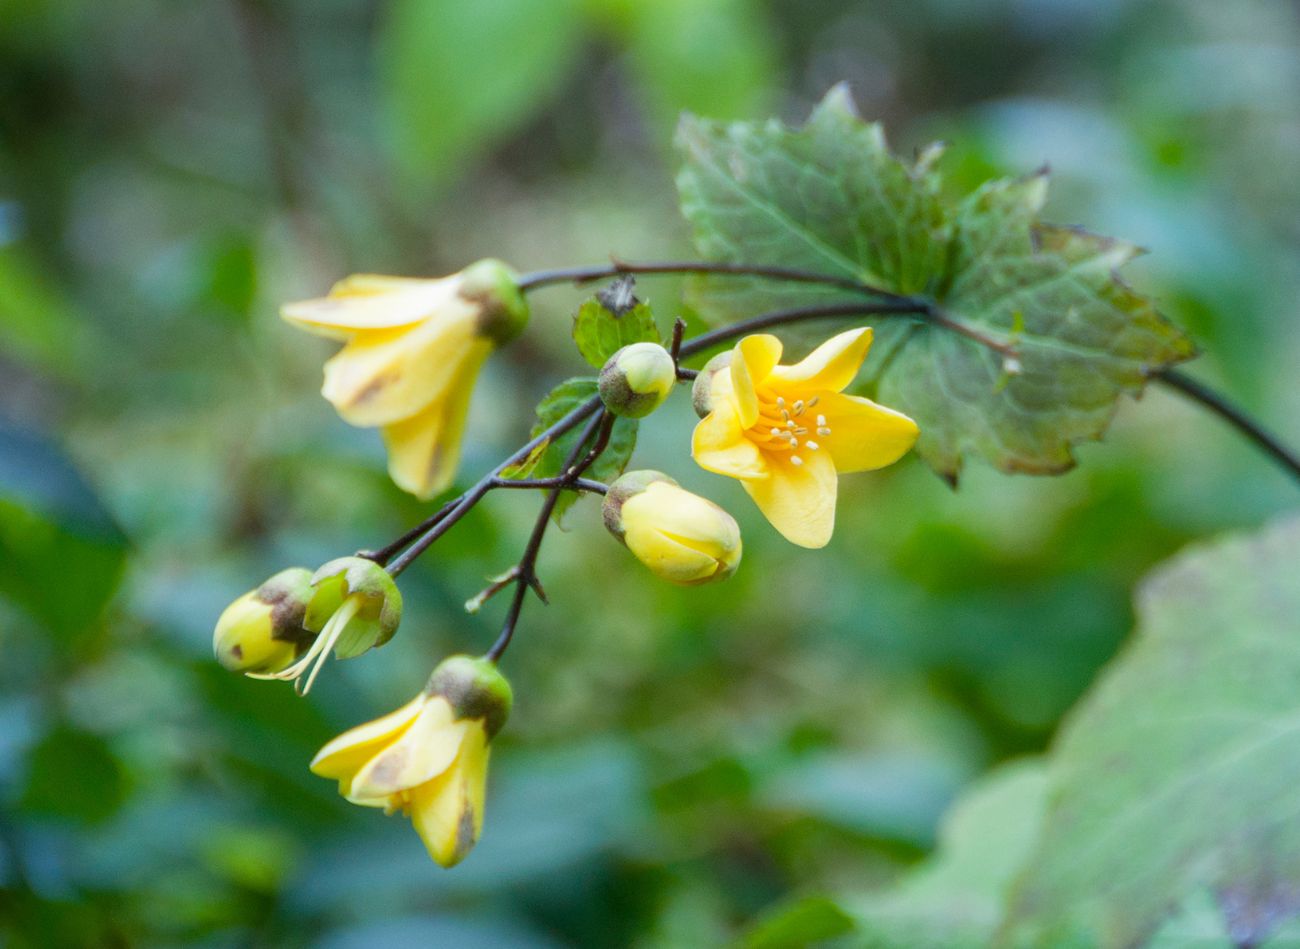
864	436
382	378
829	367
425	750
369	303
719	444
760	354
424	450
798	500
344	755
448	811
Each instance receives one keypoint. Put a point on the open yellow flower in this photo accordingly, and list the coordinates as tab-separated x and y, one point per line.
429	758
413	351
788	432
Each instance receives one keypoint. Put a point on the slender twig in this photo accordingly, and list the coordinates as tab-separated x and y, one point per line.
388	551
462	505
724	334
526	575
618	268
575	484
1234	416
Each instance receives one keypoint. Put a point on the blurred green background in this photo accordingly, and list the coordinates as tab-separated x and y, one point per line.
679	761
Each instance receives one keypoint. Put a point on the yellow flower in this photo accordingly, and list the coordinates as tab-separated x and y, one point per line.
680	536
788	432
429	758
413	352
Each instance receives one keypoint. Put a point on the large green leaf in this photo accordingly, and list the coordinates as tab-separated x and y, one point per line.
832	198
1180	772
955	900
601	332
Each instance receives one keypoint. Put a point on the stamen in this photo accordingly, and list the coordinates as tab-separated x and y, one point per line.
801	430
812	445
798	406
776	431
823	431
821	420
789	423
814	400
796	460
785	414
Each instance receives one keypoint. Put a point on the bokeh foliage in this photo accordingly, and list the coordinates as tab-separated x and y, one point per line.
679	765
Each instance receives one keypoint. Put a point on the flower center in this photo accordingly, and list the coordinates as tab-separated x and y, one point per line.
788	426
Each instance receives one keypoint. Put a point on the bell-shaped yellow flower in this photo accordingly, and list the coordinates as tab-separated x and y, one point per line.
682	537
413	351
788	432
429	758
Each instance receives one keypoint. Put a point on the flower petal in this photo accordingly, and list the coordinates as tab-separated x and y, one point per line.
382	378
345	755
425	750
448	811
864	436
369	302
799	500
754	358
719	445
424	450
832	365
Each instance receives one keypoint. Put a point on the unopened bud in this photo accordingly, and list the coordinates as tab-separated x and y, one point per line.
680	536
636	379
263	630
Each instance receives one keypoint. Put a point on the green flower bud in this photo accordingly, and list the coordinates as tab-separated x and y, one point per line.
702	388
636	379
680	536
263	630
364	594
475	689
495	288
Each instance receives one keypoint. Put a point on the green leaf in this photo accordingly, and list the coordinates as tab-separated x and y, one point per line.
559	402
600	332
799	923
458	75
61	551
955	899
1180	772
73	775
832	198
37	324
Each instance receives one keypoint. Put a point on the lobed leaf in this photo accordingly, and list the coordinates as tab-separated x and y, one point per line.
830	197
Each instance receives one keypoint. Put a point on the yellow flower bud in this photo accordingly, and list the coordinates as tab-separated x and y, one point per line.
263	631
680	536
429	758
355	605
636	379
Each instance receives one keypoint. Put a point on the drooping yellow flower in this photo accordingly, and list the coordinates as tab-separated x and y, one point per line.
788	432
413	351
429	758
680	536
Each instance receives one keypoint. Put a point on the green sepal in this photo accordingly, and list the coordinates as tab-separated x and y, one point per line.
475	689
377	618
